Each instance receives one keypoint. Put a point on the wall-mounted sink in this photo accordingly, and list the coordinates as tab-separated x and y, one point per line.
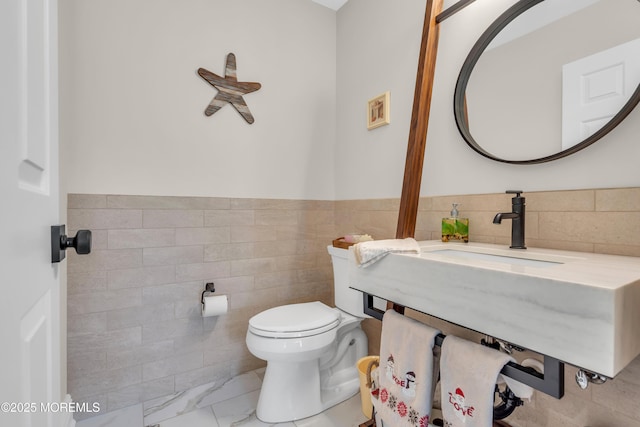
580	308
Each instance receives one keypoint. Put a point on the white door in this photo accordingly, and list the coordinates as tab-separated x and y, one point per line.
29	283
595	88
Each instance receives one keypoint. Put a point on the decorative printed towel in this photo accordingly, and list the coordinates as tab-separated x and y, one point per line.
468	374
405	375
369	252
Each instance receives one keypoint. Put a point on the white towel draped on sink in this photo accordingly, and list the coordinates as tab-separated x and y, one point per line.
369	252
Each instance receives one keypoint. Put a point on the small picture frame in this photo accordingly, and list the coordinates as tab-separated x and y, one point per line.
378	111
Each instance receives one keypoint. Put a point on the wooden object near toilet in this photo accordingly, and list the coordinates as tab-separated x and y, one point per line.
341	243
419	122
410	197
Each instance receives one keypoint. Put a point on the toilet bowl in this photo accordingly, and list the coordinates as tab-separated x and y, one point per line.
311	351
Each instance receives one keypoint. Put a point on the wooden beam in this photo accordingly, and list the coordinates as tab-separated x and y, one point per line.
410	197
419	122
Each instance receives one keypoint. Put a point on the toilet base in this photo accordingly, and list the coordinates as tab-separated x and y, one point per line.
289	392
292	392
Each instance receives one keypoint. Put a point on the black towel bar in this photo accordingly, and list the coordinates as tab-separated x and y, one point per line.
551	382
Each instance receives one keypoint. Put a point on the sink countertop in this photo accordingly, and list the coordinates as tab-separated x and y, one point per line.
581	308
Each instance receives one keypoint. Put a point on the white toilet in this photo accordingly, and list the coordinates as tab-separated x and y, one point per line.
311	351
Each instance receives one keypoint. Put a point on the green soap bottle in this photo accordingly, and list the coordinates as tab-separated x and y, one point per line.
454	228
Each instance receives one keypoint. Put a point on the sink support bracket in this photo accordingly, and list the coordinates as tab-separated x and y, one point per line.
551	382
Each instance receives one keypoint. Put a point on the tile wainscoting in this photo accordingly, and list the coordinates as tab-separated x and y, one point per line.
134	327
601	221
135	331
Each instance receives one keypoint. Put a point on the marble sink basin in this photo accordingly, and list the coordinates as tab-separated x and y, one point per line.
511	259
580	308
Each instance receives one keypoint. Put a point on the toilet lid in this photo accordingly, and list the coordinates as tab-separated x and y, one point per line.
295	320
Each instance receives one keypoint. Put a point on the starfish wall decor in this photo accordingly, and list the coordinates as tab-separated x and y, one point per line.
230	90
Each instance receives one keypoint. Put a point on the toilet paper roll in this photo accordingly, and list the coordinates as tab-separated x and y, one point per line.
214	305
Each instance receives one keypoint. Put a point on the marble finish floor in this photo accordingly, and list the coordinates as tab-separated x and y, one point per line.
231	404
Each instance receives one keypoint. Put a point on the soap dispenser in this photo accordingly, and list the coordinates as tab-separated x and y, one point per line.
455	228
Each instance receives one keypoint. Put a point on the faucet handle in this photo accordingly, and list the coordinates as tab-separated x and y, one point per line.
516	192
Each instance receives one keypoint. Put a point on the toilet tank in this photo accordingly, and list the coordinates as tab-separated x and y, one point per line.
346	299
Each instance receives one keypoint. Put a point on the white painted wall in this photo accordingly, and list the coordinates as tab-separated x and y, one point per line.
132	105
378	48
451	167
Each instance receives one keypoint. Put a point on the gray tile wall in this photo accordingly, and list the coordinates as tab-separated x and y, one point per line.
135	331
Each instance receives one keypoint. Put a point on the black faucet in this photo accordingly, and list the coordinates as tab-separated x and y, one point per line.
517	220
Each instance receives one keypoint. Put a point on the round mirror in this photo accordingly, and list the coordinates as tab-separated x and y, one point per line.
549	78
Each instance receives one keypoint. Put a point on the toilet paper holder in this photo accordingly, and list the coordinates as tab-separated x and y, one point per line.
209	288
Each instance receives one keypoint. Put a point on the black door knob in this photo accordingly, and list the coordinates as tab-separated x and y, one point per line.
81	242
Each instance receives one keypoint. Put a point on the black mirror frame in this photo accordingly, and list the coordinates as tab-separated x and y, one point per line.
459	102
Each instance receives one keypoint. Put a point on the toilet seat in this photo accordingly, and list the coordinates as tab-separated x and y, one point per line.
295	320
